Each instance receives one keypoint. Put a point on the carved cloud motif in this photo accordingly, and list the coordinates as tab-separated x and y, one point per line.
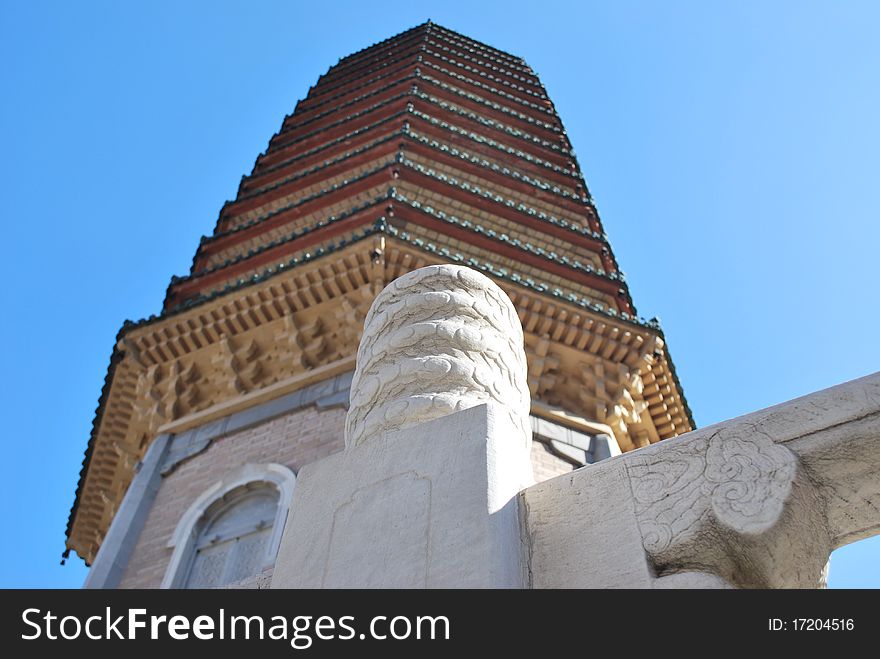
740	482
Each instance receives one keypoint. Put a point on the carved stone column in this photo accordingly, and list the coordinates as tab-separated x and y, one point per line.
437	448
437	340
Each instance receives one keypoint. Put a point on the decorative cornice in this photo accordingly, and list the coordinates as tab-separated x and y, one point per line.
355	101
419	51
515	278
491	123
302	106
419	30
378	227
525	79
323	147
260	219
348	155
469	225
469	45
275	147
492	90
293	235
326	85
484	101
382	225
581	231
481	161
541	93
575	174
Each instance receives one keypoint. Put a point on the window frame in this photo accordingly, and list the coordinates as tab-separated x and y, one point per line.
186	534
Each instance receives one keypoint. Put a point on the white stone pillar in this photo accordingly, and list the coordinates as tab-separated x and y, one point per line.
437	447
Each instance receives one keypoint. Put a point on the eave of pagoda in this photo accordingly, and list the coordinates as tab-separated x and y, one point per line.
486	52
323	117
351	142
333	131
332	175
285	188
550	192
481	102
307	234
274	187
405	170
358	88
325	87
498	152
229	232
430	51
452	88
368	80
489	201
541	262
398	206
420	105
479	67
374	54
537	104
235	228
519	75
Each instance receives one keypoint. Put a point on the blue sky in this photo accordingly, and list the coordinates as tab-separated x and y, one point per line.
733	149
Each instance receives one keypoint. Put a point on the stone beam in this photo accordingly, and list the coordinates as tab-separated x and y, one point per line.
758	501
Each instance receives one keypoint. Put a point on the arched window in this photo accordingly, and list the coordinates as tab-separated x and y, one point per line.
232	531
232	542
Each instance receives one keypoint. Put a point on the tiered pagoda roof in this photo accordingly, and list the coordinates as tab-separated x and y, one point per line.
427	147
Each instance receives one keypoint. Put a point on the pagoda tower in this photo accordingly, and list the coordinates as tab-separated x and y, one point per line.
428	147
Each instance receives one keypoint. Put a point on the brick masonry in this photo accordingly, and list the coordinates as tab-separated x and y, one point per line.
293	440
545	464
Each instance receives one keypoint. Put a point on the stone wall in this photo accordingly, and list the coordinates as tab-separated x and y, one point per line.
294	440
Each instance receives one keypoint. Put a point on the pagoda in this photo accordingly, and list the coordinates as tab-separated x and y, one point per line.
428	147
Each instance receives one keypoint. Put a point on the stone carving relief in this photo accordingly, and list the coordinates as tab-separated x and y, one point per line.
704	504
437	340
742	483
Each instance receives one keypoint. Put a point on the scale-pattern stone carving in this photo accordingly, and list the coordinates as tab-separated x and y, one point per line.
437	340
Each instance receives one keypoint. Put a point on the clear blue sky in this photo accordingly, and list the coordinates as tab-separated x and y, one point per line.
733	149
